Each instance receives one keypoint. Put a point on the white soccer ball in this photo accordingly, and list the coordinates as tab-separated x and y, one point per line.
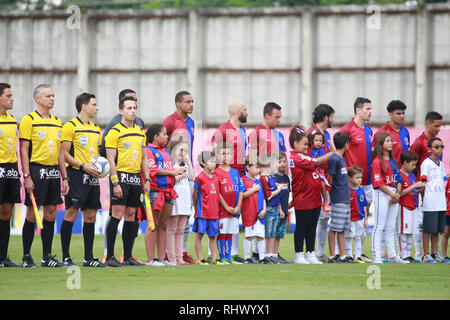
102	165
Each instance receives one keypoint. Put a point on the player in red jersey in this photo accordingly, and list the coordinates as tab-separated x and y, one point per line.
206	202
407	218
433	123
360	151
230	193
180	127
386	182
400	135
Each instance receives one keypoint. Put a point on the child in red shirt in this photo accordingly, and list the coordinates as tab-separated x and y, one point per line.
306	188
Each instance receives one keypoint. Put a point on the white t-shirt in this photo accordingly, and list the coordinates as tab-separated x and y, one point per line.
434	197
183	204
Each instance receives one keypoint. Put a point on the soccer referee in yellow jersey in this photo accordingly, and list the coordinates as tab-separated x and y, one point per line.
43	166
81	139
9	173
125	144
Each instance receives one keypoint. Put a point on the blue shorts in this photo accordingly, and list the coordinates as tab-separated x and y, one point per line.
281	227
447	220
340	217
208	226
272	216
153	194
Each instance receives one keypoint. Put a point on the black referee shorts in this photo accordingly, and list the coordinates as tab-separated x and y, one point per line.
131	189
47	185
84	192
9	183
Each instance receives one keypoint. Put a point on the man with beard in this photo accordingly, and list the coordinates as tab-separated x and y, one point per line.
234	134
323	118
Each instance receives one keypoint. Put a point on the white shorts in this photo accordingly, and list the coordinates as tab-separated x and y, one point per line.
405	220
256	230
228	225
418	221
368	190
356	229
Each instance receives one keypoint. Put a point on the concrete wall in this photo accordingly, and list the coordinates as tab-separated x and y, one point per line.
293	56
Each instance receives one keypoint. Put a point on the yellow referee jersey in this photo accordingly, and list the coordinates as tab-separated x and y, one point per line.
8	139
44	135
85	139
129	143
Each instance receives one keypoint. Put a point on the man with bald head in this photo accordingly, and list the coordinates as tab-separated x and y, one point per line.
233	133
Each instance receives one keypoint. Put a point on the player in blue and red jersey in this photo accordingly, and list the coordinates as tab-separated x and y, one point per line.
230	191
180	127
407	221
358	216
399	134
265	139
207	202
233	133
360	151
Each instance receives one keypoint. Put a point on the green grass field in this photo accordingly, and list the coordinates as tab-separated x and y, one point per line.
235	282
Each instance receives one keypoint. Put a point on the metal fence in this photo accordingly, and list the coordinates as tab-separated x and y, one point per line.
297	57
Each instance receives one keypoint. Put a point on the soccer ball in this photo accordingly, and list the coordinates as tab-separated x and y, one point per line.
102	165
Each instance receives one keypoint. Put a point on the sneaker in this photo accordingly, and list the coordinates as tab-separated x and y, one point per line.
236	258
202	262
248	261
94	263
335	259
133	262
187	258
51	262
322	258
236	262
274	260
282	260
397	260
113	262
377	261
68	262
438	258
218	262
311	258
27	261
209	259
266	260
255	257
359	260
446	260
135	259
155	263
410	260
428	259
225	261
8	264
347	259
365	258
299	258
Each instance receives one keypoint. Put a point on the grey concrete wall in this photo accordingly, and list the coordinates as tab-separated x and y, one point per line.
294	57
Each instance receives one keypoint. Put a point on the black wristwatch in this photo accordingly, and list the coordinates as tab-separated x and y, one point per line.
149	180
115	184
66	178
26	175
81	166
